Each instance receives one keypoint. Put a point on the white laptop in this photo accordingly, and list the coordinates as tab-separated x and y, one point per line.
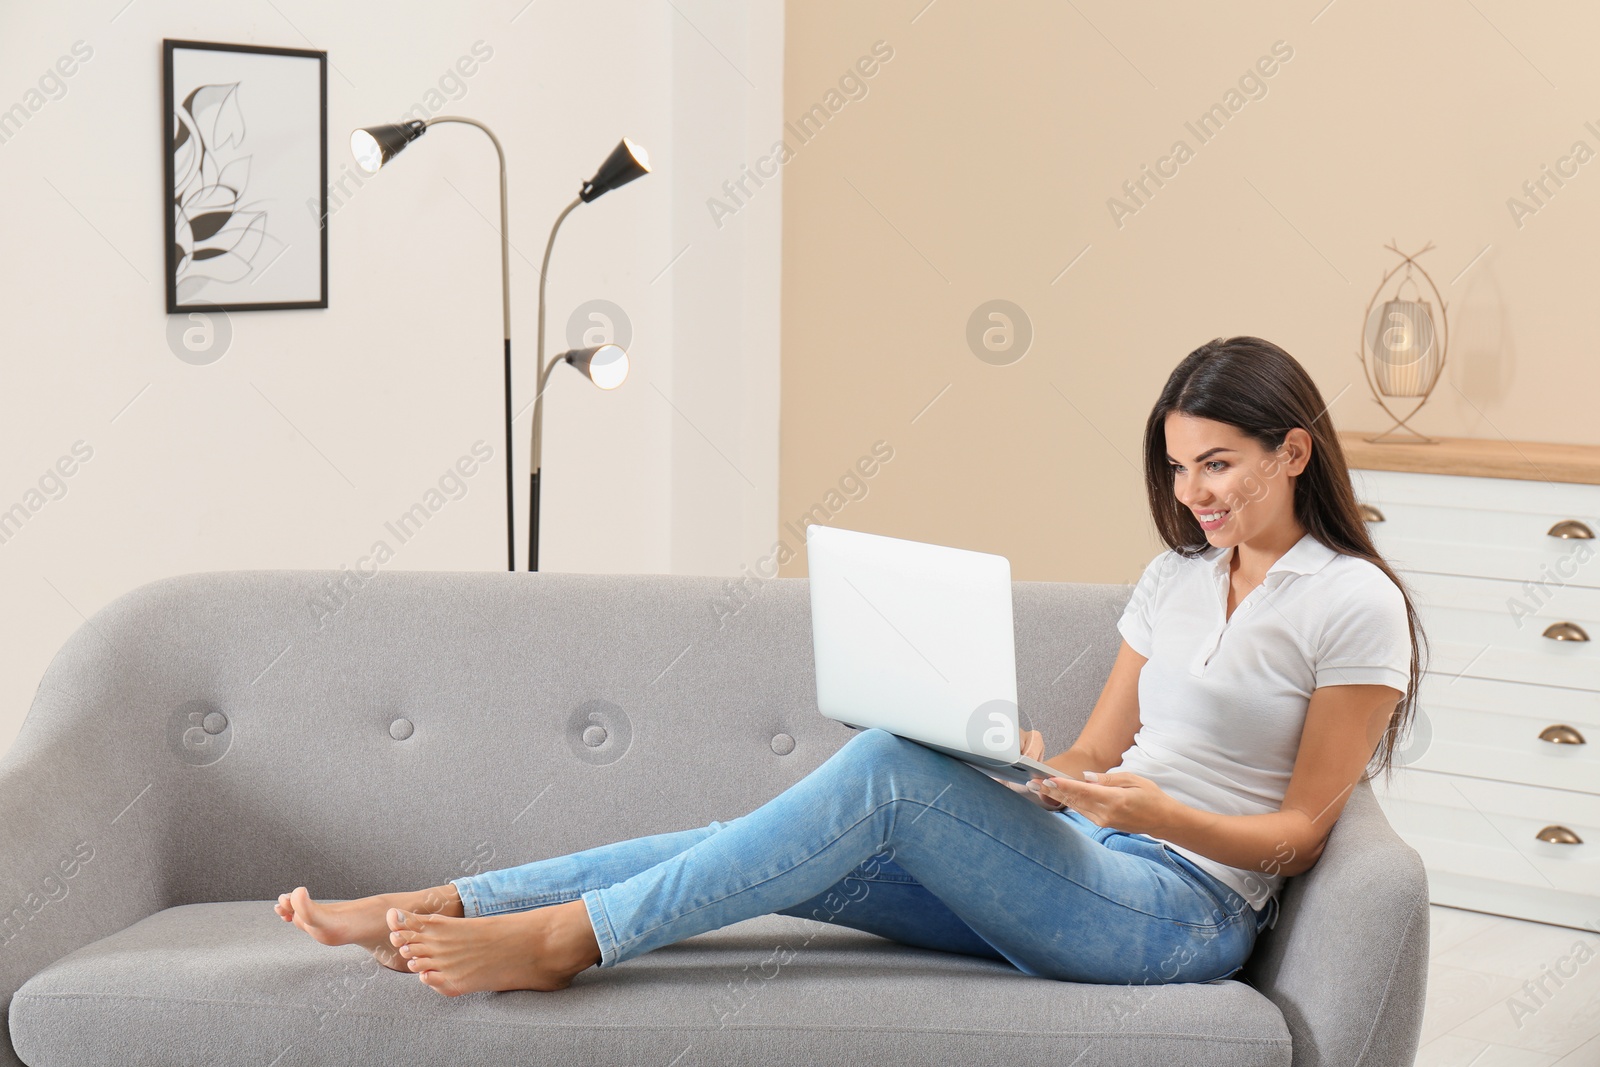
916	639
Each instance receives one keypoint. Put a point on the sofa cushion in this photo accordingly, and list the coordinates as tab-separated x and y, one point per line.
231	983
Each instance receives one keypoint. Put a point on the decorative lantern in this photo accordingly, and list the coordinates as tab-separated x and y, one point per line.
1406	351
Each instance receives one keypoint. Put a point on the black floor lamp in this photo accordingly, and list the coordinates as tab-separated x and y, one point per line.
376	145
605	365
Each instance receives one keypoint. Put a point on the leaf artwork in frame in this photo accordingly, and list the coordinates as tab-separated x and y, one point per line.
244	153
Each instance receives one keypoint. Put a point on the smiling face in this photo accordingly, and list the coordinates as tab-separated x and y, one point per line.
1237	490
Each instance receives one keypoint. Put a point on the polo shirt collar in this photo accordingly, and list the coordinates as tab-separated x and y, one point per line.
1305	556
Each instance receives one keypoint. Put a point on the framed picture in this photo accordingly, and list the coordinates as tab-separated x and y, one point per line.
246	160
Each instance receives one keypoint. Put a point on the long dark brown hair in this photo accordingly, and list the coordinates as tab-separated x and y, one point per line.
1261	390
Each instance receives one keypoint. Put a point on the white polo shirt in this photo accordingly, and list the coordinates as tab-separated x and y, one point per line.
1222	701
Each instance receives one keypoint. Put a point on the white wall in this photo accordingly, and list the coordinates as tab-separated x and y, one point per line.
316	426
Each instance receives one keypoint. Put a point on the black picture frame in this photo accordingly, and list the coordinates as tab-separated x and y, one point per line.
236	237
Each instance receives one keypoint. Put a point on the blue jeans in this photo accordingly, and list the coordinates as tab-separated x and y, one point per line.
901	841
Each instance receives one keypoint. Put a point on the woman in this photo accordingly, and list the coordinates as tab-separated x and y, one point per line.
1264	658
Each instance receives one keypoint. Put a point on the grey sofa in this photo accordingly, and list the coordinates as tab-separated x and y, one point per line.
208	741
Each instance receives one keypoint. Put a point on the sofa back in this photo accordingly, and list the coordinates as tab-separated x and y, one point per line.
268	729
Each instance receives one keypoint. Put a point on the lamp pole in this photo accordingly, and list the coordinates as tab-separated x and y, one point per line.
373	147
505	314
626	162
538	400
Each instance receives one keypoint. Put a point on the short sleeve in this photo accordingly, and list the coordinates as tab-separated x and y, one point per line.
1137	624
1367	639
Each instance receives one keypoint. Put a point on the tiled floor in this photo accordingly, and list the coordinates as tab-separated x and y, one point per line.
1481	1011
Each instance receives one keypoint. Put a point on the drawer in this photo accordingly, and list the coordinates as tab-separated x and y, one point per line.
1483	527
1491	628
1491	729
1491	831
1540	904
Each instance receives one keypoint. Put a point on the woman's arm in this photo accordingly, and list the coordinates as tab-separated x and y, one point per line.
1343	726
1103	739
1112	724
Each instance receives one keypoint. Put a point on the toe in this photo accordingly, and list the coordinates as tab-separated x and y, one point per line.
299	908
401	938
439	983
404	920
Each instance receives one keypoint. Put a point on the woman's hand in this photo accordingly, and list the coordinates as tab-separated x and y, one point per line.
1033	748
1032	794
1032	742
1122	801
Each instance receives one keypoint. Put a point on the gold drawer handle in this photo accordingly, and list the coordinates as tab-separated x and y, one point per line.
1565	631
1561	734
1372	514
1571	528
1558	835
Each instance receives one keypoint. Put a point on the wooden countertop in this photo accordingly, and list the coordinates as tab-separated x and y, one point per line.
1543	461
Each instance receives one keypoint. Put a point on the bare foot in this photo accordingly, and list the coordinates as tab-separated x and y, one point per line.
361	921
543	948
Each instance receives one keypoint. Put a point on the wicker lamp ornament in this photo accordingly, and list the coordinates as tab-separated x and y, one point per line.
1402	345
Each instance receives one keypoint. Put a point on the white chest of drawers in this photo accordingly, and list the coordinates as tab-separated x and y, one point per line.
1497	786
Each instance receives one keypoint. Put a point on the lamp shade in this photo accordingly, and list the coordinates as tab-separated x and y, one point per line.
373	146
605	365
1405	361
626	162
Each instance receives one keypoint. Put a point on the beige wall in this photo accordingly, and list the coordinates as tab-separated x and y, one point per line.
979	164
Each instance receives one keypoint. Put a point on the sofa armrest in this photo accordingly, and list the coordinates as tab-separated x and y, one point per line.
81	833
1347	963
